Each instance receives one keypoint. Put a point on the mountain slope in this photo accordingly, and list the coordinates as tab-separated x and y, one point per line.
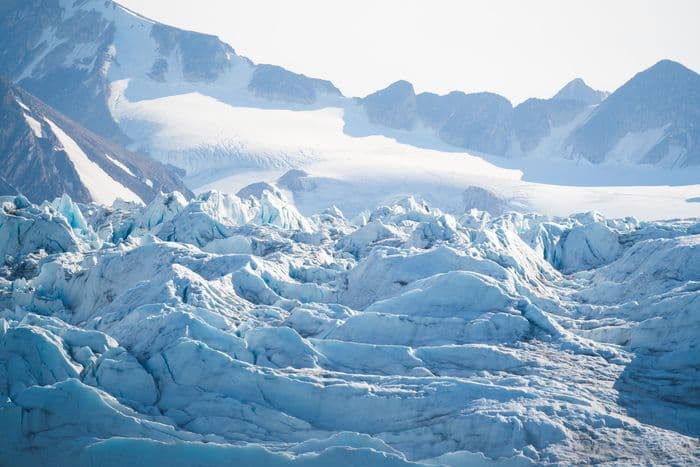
479	121
483	122
534	119
189	100
68	53
45	154
654	118
6	188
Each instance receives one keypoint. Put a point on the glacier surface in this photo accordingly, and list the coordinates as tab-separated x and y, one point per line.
227	329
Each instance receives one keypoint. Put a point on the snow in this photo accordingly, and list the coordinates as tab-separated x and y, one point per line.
122	166
555	143
340	299
23	105
103	188
635	145
227	147
226	137
222	329
212	142
34	125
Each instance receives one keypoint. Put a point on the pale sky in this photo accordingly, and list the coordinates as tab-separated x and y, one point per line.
515	48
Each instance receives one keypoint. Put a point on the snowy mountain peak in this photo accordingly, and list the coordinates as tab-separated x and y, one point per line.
578	90
669	66
667	83
662	129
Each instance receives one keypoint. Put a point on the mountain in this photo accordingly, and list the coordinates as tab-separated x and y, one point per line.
479	121
394	106
274	83
69	54
134	81
61	62
534	120
578	90
46	155
484	122
190	101
654	118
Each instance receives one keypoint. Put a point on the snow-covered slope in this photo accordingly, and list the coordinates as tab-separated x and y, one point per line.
45	155
227	330
68	53
102	188
358	173
351	164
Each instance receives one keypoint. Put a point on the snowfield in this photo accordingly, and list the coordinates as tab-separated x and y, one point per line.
225	136
102	187
348	164
230	330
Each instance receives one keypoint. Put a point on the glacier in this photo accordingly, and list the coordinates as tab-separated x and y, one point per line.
233	329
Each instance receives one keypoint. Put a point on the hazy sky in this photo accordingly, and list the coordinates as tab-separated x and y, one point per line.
516	48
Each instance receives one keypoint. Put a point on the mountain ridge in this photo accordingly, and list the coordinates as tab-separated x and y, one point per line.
665	96
95	43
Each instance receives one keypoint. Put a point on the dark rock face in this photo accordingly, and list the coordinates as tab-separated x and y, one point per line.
37	166
665	98
275	83
6	188
534	118
667	95
476	121
483	122
480	121
204	57
22	23
30	163
393	107
79	89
